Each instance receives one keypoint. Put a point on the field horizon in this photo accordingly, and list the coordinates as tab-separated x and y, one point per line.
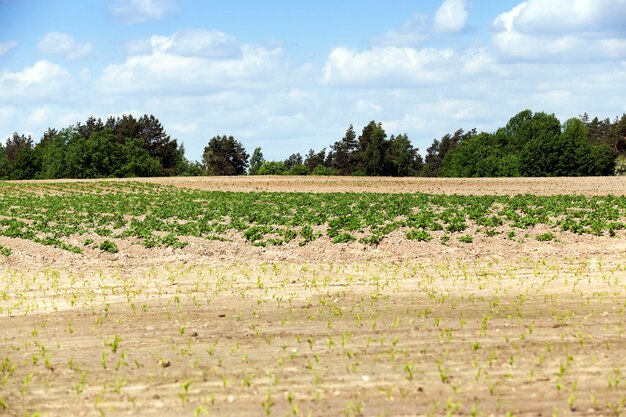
587	186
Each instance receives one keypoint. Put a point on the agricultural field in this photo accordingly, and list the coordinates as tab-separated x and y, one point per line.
200	298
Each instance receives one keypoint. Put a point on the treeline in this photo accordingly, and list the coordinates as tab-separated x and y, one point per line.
537	145
119	147
531	144
372	153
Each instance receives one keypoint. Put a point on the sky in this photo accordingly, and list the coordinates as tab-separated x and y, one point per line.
291	76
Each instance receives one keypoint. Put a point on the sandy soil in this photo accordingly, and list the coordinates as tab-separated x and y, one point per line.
477	186
402	329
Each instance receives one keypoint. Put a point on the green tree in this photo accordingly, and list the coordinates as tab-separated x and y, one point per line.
149	129
299	170
225	156
540	154
344	153
256	161
372	149
530	145
186	167
293	161
137	162
620	165
401	158
612	134
272	168
21	161
4	162
91	125
577	156
159	144
53	148
482	155
314	159
436	153
322	170
16	144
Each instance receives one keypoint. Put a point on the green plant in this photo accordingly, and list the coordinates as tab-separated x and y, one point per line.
266	219
419	235
267	403
344	238
545	237
5	251
114	344
108	246
466	239
409	368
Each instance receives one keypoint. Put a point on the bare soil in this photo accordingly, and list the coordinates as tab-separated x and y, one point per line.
588	186
401	329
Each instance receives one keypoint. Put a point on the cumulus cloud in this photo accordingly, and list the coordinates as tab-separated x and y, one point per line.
451	16
6	46
481	61
42	80
387	67
562	29
198	43
138	11
55	43
394	67
558	16
194	62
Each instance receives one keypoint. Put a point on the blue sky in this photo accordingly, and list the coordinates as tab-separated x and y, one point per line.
290	76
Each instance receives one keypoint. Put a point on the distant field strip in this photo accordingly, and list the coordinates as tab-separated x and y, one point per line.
59	214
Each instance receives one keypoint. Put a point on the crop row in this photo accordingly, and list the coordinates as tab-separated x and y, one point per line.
52	213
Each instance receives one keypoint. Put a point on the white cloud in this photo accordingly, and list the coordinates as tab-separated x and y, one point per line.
137	11
197	43
167	73
558	16
39	115
387	67
481	61
184	129
614	48
507	20
451	16
529	47
6	46
60	43
368	107
412	32
393	67
42	80
196	62
281	122
562	30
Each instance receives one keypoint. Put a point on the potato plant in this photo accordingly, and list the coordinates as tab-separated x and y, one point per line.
58	214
